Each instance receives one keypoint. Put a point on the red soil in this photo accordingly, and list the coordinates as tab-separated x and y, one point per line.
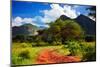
51	56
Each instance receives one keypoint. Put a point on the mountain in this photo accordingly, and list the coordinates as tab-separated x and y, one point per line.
88	25
26	29
41	27
63	17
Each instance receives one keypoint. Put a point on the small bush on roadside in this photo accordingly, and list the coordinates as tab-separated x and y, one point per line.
89	53
56	43
84	50
24	45
25	54
41	43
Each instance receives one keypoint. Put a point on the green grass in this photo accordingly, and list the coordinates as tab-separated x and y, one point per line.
24	53
18	48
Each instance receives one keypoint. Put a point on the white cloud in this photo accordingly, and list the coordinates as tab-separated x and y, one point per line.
28	20
56	11
49	15
18	21
37	21
68	11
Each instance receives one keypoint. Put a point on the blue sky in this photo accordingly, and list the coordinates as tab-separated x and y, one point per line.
27	9
39	14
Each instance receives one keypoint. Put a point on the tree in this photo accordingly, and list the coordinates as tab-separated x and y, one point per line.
62	30
71	30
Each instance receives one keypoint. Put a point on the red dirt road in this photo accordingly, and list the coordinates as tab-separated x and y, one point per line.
51	56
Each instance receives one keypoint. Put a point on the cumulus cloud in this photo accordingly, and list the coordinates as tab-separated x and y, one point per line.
56	11
37	21
18	21
40	21
49	15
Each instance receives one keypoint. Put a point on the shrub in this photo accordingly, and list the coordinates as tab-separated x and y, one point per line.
74	48
34	44
90	38
56	43
14	61
85	50
19	38
41	43
24	45
25	54
89	52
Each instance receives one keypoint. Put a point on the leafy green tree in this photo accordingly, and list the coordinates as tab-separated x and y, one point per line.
71	30
61	30
65	30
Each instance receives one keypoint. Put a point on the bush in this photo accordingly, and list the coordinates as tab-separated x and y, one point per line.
19	38
73	47
56	43
89	52
90	38
24	45
41	43
85	50
34	44
25	54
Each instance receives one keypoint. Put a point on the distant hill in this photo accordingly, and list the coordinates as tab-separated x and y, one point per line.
88	25
63	17
26	29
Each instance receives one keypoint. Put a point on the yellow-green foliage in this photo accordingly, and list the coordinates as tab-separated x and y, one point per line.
23	53
86	50
31	53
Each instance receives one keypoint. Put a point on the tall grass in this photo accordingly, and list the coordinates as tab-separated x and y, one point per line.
28	55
